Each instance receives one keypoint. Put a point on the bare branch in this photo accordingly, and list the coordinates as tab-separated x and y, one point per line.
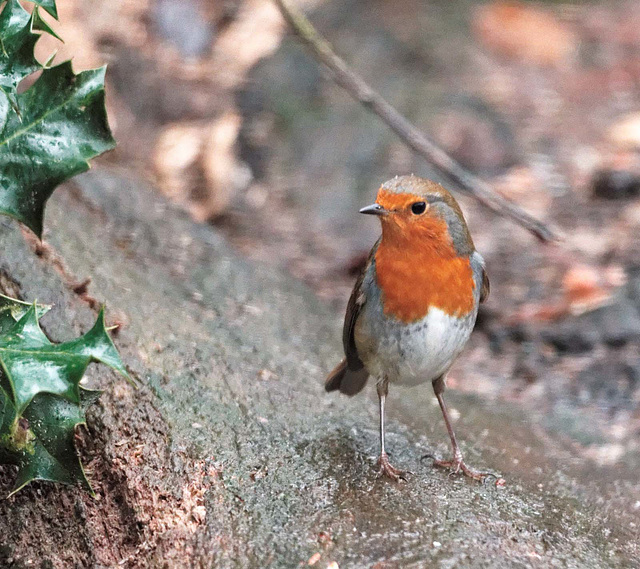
412	136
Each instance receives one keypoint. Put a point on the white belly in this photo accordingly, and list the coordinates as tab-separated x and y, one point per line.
410	354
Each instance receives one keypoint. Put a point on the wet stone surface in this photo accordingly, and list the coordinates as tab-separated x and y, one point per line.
258	466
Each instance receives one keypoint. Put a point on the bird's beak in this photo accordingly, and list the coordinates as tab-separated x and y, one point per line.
374	209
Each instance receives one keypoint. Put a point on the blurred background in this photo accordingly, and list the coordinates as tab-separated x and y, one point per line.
220	108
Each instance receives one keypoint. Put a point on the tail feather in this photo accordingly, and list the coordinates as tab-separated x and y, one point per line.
346	380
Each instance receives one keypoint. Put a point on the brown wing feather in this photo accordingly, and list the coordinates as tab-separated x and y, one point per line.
354	306
350	375
484	292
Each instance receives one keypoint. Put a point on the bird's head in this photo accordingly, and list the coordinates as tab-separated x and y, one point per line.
418	210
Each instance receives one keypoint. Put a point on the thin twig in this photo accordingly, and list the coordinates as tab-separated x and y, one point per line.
412	136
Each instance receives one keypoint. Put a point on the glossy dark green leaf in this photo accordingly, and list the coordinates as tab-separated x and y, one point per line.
33	365
40	25
50	132
61	124
7	420
42	442
17	60
48	5
41	401
11	310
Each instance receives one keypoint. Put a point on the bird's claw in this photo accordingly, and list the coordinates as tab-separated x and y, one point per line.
387	469
457	465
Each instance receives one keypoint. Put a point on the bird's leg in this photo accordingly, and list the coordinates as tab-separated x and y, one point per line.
386	468
456	463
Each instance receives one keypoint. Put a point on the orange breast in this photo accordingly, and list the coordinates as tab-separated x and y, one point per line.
419	268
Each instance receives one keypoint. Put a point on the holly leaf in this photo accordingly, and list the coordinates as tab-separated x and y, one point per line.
50	132
41	400
32	364
40	25
17	41
61	124
48	5
42	442
11	310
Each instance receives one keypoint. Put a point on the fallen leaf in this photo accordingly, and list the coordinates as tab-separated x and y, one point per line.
525	33
584	288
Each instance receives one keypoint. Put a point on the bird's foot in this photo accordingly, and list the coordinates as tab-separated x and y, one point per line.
386	469
457	465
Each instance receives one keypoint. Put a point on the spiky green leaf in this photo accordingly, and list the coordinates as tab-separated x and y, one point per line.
51	131
62	124
11	310
40	25
48	5
33	365
17	42
42	442
41	400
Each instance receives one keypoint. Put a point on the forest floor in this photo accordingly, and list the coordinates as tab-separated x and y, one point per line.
250	135
229	452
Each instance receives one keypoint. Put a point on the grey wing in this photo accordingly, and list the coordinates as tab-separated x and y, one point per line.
478	267
356	301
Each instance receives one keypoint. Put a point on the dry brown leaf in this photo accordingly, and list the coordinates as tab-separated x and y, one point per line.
523	32
584	288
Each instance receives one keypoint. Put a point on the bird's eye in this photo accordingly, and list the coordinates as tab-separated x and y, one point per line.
418	207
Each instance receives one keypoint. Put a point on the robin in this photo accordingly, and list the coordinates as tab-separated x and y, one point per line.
415	303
